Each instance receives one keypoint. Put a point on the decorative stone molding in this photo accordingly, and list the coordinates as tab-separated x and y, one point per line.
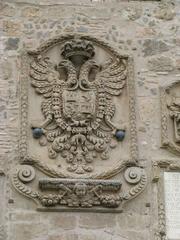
76	127
80	193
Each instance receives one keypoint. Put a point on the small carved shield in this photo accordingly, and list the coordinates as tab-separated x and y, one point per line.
79	105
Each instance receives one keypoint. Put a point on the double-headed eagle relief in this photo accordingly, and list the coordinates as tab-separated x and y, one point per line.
78	108
78	139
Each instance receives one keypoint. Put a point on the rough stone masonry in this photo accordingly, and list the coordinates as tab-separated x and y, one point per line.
148	31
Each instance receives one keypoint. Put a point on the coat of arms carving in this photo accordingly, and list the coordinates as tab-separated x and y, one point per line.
78	126
79	109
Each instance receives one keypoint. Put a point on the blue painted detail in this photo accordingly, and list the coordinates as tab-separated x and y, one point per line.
120	134
37	132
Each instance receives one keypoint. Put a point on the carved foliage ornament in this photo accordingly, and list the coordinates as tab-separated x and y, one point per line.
80	125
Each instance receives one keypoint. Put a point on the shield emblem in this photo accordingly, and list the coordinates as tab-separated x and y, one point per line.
78	104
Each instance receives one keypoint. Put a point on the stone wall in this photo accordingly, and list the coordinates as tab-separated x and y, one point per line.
147	30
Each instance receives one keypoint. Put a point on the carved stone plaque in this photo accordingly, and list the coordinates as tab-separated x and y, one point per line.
78	126
170	117
172	204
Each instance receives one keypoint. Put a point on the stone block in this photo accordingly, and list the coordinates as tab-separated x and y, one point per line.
133	221
12	44
30	12
64	236
11	28
152	47
7	10
25	216
160	64
6	69
88	236
65	221
96	221
165	11
30	231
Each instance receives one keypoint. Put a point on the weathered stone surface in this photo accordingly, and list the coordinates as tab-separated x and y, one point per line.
178	64
165	11
29	231
11	28
127	221
152	47
160	64
7	10
65	236
65	222
97	221
30	12
6	69
25	216
12	44
89	236
132	13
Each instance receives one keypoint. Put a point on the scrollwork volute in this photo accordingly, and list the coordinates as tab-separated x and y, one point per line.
26	173
75	128
133	175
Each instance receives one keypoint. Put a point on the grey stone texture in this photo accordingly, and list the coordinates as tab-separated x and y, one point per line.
147	30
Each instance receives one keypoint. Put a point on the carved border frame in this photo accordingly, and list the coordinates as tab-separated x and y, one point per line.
159	167
23	140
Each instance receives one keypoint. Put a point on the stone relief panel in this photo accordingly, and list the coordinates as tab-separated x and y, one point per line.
78	141
170	117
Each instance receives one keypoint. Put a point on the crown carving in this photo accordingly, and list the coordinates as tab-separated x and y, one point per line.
78	47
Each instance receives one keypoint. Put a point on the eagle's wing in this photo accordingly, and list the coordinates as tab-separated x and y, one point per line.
110	81
112	77
43	76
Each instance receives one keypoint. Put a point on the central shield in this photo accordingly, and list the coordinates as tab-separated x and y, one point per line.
78	104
